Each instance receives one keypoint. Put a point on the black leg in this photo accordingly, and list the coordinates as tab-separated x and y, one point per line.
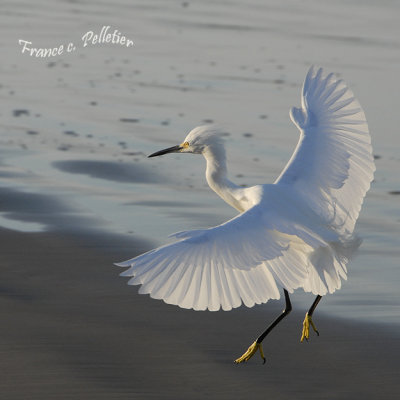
314	305
257	344
286	311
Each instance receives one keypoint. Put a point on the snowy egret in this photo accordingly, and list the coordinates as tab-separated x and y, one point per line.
295	233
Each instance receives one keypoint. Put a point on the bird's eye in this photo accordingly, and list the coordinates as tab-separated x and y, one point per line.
185	145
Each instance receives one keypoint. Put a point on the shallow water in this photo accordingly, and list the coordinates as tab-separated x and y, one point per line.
76	128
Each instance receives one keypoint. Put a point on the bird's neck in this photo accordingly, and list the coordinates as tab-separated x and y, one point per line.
216	175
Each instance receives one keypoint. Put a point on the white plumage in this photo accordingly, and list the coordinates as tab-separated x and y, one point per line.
297	232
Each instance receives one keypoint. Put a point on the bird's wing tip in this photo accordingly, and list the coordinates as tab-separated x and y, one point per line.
122	264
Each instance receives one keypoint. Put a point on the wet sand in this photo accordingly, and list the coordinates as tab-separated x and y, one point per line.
72	329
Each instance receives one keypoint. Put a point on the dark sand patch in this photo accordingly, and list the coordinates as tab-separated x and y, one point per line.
164	203
132	120
50	211
134	153
71	328
71	133
111	171
18	112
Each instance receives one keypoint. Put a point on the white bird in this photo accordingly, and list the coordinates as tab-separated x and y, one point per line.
295	233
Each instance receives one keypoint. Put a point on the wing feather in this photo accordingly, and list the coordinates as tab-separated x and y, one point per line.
242	260
332	166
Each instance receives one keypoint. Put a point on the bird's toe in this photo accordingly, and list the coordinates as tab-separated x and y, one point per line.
306	328
250	353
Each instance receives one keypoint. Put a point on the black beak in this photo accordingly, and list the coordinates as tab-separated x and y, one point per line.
173	149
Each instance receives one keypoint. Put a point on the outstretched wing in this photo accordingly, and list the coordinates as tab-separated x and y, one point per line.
239	261
332	166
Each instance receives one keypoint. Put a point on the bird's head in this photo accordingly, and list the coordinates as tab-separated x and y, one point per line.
197	141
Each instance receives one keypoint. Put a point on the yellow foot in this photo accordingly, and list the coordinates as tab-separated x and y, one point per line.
306	328
250	353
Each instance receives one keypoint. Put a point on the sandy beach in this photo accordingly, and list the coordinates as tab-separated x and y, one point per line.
78	193
71	330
